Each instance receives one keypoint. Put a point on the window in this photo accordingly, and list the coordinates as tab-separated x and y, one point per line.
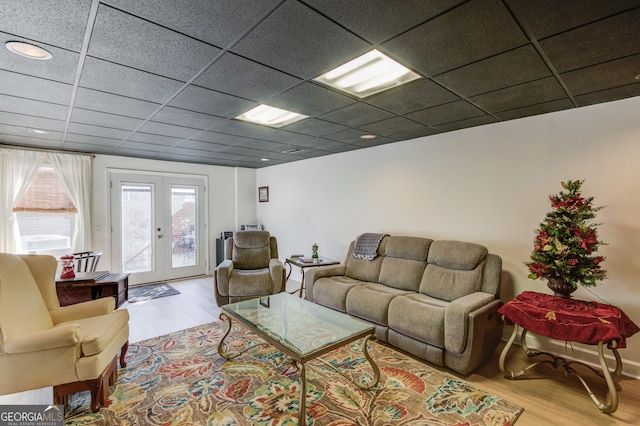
45	214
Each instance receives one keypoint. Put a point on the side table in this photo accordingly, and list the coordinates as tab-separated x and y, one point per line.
570	320
93	285
294	261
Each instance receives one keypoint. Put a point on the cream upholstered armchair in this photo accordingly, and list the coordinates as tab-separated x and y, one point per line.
251	268
73	348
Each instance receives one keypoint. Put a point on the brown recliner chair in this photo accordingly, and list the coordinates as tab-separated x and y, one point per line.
71	348
251	268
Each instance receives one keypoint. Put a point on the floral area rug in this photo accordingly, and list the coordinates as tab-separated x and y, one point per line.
180	379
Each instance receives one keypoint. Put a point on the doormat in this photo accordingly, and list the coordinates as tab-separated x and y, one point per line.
152	291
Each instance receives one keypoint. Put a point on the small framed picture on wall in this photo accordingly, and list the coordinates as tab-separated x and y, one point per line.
263	194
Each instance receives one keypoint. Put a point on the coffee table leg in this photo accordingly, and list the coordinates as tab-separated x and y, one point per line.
221	350
302	405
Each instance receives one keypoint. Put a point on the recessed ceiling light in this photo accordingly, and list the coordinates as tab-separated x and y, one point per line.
270	116
368	136
28	50
292	151
265	159
368	74
38	131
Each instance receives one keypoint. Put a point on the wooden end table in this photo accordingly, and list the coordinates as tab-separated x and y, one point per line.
93	285
570	320
295	261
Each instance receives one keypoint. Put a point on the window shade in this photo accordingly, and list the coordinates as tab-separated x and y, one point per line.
45	194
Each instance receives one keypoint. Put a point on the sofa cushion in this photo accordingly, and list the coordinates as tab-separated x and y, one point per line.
99	332
253	282
404	262
365	270
420	317
370	302
454	269
332	291
251	249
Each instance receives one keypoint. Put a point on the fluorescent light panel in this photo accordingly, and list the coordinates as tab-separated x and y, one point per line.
368	74
270	116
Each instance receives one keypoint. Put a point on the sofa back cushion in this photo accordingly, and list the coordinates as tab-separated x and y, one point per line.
250	249
365	270
404	262
454	269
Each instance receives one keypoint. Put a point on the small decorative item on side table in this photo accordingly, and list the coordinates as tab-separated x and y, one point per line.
570	320
314	249
565	246
67	266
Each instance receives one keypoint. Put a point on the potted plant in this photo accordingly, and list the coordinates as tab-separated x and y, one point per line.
566	243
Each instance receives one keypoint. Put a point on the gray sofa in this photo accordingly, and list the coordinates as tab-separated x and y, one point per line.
436	300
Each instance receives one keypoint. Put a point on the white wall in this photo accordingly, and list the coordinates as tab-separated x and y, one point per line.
228	193
486	184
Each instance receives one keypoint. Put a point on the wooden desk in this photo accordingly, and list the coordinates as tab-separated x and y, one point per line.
290	262
570	320
85	287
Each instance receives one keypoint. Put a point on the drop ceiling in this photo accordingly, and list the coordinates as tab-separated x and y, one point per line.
164	79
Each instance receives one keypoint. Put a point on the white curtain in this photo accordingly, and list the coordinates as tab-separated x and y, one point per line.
17	168
75	173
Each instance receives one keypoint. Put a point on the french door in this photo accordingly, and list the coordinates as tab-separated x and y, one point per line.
157	226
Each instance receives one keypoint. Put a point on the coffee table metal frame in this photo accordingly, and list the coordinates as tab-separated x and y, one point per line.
289	348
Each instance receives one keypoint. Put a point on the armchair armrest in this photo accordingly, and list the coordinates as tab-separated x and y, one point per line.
312	275
278	274
456	324
90	308
56	337
221	277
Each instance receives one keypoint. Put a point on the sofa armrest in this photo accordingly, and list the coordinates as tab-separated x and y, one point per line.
456	323
278	274
90	308
312	275
57	337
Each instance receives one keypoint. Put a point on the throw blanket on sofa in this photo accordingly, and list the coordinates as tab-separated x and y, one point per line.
367	246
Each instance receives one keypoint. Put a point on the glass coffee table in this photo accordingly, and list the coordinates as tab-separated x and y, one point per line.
285	321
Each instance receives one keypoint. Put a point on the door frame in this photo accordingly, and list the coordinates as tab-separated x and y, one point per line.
204	219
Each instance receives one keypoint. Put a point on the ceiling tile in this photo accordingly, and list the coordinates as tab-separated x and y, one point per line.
602	41
103	132
357	114
468	33
196	20
413	96
453	111
252	80
120	80
96	118
427	131
183	117
8	129
534	92
142	146
56	22
363	16
114	104
240	128
548	17
220	138
611	74
395	125
168	130
93	140
31	122
352	136
88	148
31	107
124	39
199	145
210	102
314	127
39	89
29	141
609	95
154	139
469	122
265	145
300	42
61	67
542	108
310	99
507	69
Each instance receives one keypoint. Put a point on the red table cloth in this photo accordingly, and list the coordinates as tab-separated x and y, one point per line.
569	319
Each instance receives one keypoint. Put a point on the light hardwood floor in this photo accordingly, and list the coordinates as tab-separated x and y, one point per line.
548	397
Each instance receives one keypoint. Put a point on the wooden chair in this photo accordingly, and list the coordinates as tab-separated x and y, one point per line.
87	261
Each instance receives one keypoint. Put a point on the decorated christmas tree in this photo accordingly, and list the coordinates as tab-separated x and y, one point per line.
566	243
